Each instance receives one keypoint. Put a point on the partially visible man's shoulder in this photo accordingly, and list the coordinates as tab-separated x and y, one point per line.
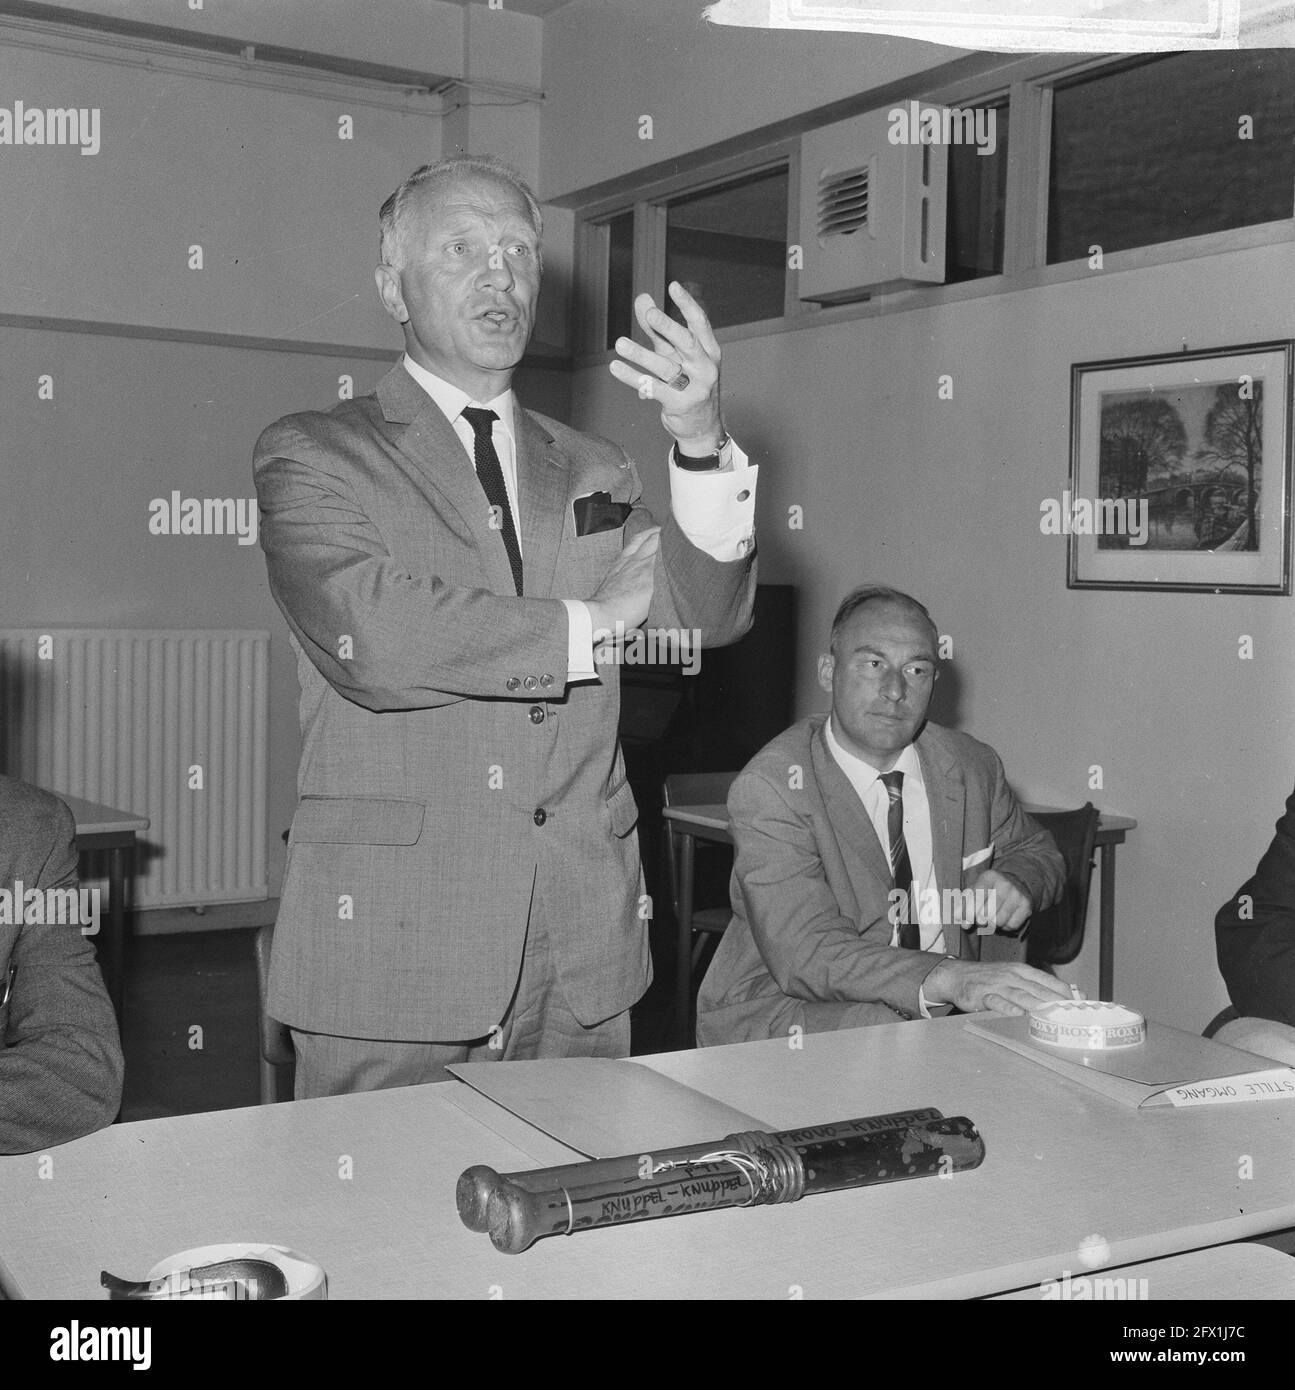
351	419
30	816
22	799
961	746
778	761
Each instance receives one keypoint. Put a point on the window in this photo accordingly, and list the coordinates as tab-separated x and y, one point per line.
1172	147
977	206
620	276
728	247
1121	153
721	232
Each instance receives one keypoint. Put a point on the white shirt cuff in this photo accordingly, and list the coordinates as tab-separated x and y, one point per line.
923	1006
580	641
716	509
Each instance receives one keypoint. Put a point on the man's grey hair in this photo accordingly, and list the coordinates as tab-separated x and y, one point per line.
878	593
391	217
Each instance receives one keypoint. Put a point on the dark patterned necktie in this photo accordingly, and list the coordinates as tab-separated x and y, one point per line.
901	871
491	474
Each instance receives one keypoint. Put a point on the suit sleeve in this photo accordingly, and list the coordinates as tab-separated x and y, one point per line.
1023	849
692	589
813	952
384	637
61	1067
1254	932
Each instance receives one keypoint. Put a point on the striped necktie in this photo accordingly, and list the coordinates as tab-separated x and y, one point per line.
491	474
901	871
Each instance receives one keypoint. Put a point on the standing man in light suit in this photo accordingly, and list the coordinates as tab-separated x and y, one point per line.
462	880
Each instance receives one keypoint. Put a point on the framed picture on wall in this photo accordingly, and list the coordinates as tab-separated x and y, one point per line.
1180	472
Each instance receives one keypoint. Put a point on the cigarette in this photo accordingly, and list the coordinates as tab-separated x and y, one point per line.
1074	992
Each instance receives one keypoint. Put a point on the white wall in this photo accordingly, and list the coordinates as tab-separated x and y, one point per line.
609	62
285	212
422	34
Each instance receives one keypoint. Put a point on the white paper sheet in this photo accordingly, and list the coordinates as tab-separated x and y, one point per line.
604	1107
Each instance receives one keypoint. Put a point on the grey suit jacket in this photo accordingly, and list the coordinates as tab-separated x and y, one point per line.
449	777
60	1057
809	941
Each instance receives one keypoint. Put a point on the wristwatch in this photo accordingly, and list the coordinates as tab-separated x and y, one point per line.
708	462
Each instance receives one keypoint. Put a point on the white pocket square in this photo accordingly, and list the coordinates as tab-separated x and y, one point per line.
982	856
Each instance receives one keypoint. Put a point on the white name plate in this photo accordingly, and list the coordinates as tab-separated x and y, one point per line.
1277	1084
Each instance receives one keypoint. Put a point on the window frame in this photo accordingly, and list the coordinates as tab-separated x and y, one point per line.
1026	84
650	205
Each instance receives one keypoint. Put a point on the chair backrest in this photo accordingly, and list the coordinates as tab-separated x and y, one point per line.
690	789
276	1039
1223	1016
1055	934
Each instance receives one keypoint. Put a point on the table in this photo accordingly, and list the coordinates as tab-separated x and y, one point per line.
102	827
364	1184
1226	1271
691	823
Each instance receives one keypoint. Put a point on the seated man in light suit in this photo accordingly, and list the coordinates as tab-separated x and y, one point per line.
60	1059
1255	935
837	886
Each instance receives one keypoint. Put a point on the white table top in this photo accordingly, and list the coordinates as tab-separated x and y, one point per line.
1225	1272
94	819
1063	1165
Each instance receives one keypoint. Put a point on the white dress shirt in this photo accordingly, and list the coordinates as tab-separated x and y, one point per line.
866	781
715	509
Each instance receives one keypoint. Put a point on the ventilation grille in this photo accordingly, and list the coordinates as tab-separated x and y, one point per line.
844	201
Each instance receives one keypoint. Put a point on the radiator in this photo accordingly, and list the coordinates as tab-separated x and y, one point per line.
168	725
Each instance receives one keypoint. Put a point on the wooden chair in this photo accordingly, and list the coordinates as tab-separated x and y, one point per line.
708	922
277	1052
1054	935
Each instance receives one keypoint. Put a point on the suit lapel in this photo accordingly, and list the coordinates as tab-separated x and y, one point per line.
430	443
542	484
863	851
946	796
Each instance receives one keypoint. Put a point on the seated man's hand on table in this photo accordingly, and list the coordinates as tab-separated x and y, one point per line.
1003	988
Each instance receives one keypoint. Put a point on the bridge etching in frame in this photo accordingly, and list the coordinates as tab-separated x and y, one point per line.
1180	472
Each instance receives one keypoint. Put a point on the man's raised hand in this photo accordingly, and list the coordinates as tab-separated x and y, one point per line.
681	370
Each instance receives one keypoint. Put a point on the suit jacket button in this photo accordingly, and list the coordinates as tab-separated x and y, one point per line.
530	682
540	816
537	714
511	683
546	681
